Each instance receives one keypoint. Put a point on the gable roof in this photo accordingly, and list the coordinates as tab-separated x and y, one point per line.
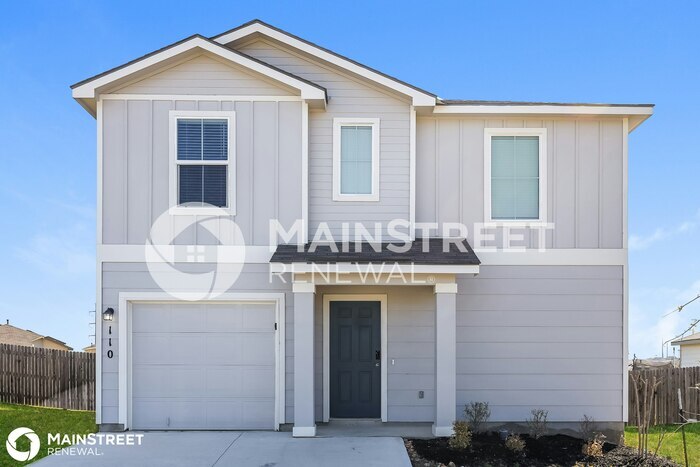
420	96
691	339
16	336
86	91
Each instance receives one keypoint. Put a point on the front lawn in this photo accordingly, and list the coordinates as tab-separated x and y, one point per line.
42	420
672	445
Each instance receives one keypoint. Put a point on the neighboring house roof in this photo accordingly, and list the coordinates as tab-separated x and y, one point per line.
15	336
420	96
90	348
435	254
691	339
85	91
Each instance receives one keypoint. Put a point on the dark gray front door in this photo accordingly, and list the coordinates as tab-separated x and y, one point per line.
355	370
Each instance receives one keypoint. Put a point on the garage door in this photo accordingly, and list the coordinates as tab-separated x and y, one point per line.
203	366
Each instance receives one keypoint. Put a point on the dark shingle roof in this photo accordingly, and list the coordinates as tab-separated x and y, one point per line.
434	253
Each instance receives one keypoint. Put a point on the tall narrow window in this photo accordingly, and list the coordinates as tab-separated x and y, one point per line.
356	160
516	173
202	161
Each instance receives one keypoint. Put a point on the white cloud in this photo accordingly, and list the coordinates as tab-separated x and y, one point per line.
641	242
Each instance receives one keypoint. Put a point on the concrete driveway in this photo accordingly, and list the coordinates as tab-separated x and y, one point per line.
268	449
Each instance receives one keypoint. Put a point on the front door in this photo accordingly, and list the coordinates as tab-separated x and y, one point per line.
355	368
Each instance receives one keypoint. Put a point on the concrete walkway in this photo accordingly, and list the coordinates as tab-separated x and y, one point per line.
243	449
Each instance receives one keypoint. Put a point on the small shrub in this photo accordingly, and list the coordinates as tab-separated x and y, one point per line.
594	447
515	444
537	424
588	428
462	437
477	413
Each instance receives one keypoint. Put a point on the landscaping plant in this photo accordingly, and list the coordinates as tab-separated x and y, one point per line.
594	447
462	437
515	444
537	424
477	413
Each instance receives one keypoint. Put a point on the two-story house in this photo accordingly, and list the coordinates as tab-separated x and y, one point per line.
288	237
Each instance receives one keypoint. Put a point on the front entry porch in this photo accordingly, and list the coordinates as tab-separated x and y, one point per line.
388	346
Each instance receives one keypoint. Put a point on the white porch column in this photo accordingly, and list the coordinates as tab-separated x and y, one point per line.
304	417
445	358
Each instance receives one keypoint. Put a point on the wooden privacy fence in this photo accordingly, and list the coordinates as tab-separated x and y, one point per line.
46	377
664	409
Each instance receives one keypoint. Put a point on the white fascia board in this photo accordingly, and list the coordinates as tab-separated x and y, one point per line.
389	267
543	110
420	99
87	90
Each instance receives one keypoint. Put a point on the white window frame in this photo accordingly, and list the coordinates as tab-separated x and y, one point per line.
541	133
175	208
337	124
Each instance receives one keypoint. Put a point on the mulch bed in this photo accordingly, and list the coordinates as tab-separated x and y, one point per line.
548	451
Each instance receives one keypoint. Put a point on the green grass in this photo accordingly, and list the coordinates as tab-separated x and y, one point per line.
42	420
672	445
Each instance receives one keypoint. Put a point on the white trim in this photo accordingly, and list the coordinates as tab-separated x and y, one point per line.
98	283
230	163
304	431
543	109
169	253
126	299
412	174
446	288
305	171
88	90
199	97
380	270
303	287
419	98
541	133
554	257
338	123
625	275
442	431
327	299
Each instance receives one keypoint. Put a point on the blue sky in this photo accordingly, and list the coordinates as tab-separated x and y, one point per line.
625	51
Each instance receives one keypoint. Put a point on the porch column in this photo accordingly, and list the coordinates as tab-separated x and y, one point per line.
304	417
445	358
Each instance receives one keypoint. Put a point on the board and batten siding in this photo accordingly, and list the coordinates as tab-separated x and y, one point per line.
268	145
135	277
541	337
584	176
349	96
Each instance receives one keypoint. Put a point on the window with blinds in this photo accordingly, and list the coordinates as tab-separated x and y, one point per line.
202	162
515	178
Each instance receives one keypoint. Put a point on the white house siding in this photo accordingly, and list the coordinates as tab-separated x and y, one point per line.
348	97
690	355
545	337
134	277
268	142
584	176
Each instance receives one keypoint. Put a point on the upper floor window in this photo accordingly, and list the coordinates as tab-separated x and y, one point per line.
356	159
515	162
201	160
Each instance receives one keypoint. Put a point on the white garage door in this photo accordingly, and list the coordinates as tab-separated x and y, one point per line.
203	366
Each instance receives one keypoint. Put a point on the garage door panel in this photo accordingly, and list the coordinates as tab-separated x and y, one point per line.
187	349
224	381
211	367
186	380
255	382
151	317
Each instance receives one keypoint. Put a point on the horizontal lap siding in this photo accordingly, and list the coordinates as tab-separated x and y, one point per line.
134	277
541	337
584	177
349	97
136	168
